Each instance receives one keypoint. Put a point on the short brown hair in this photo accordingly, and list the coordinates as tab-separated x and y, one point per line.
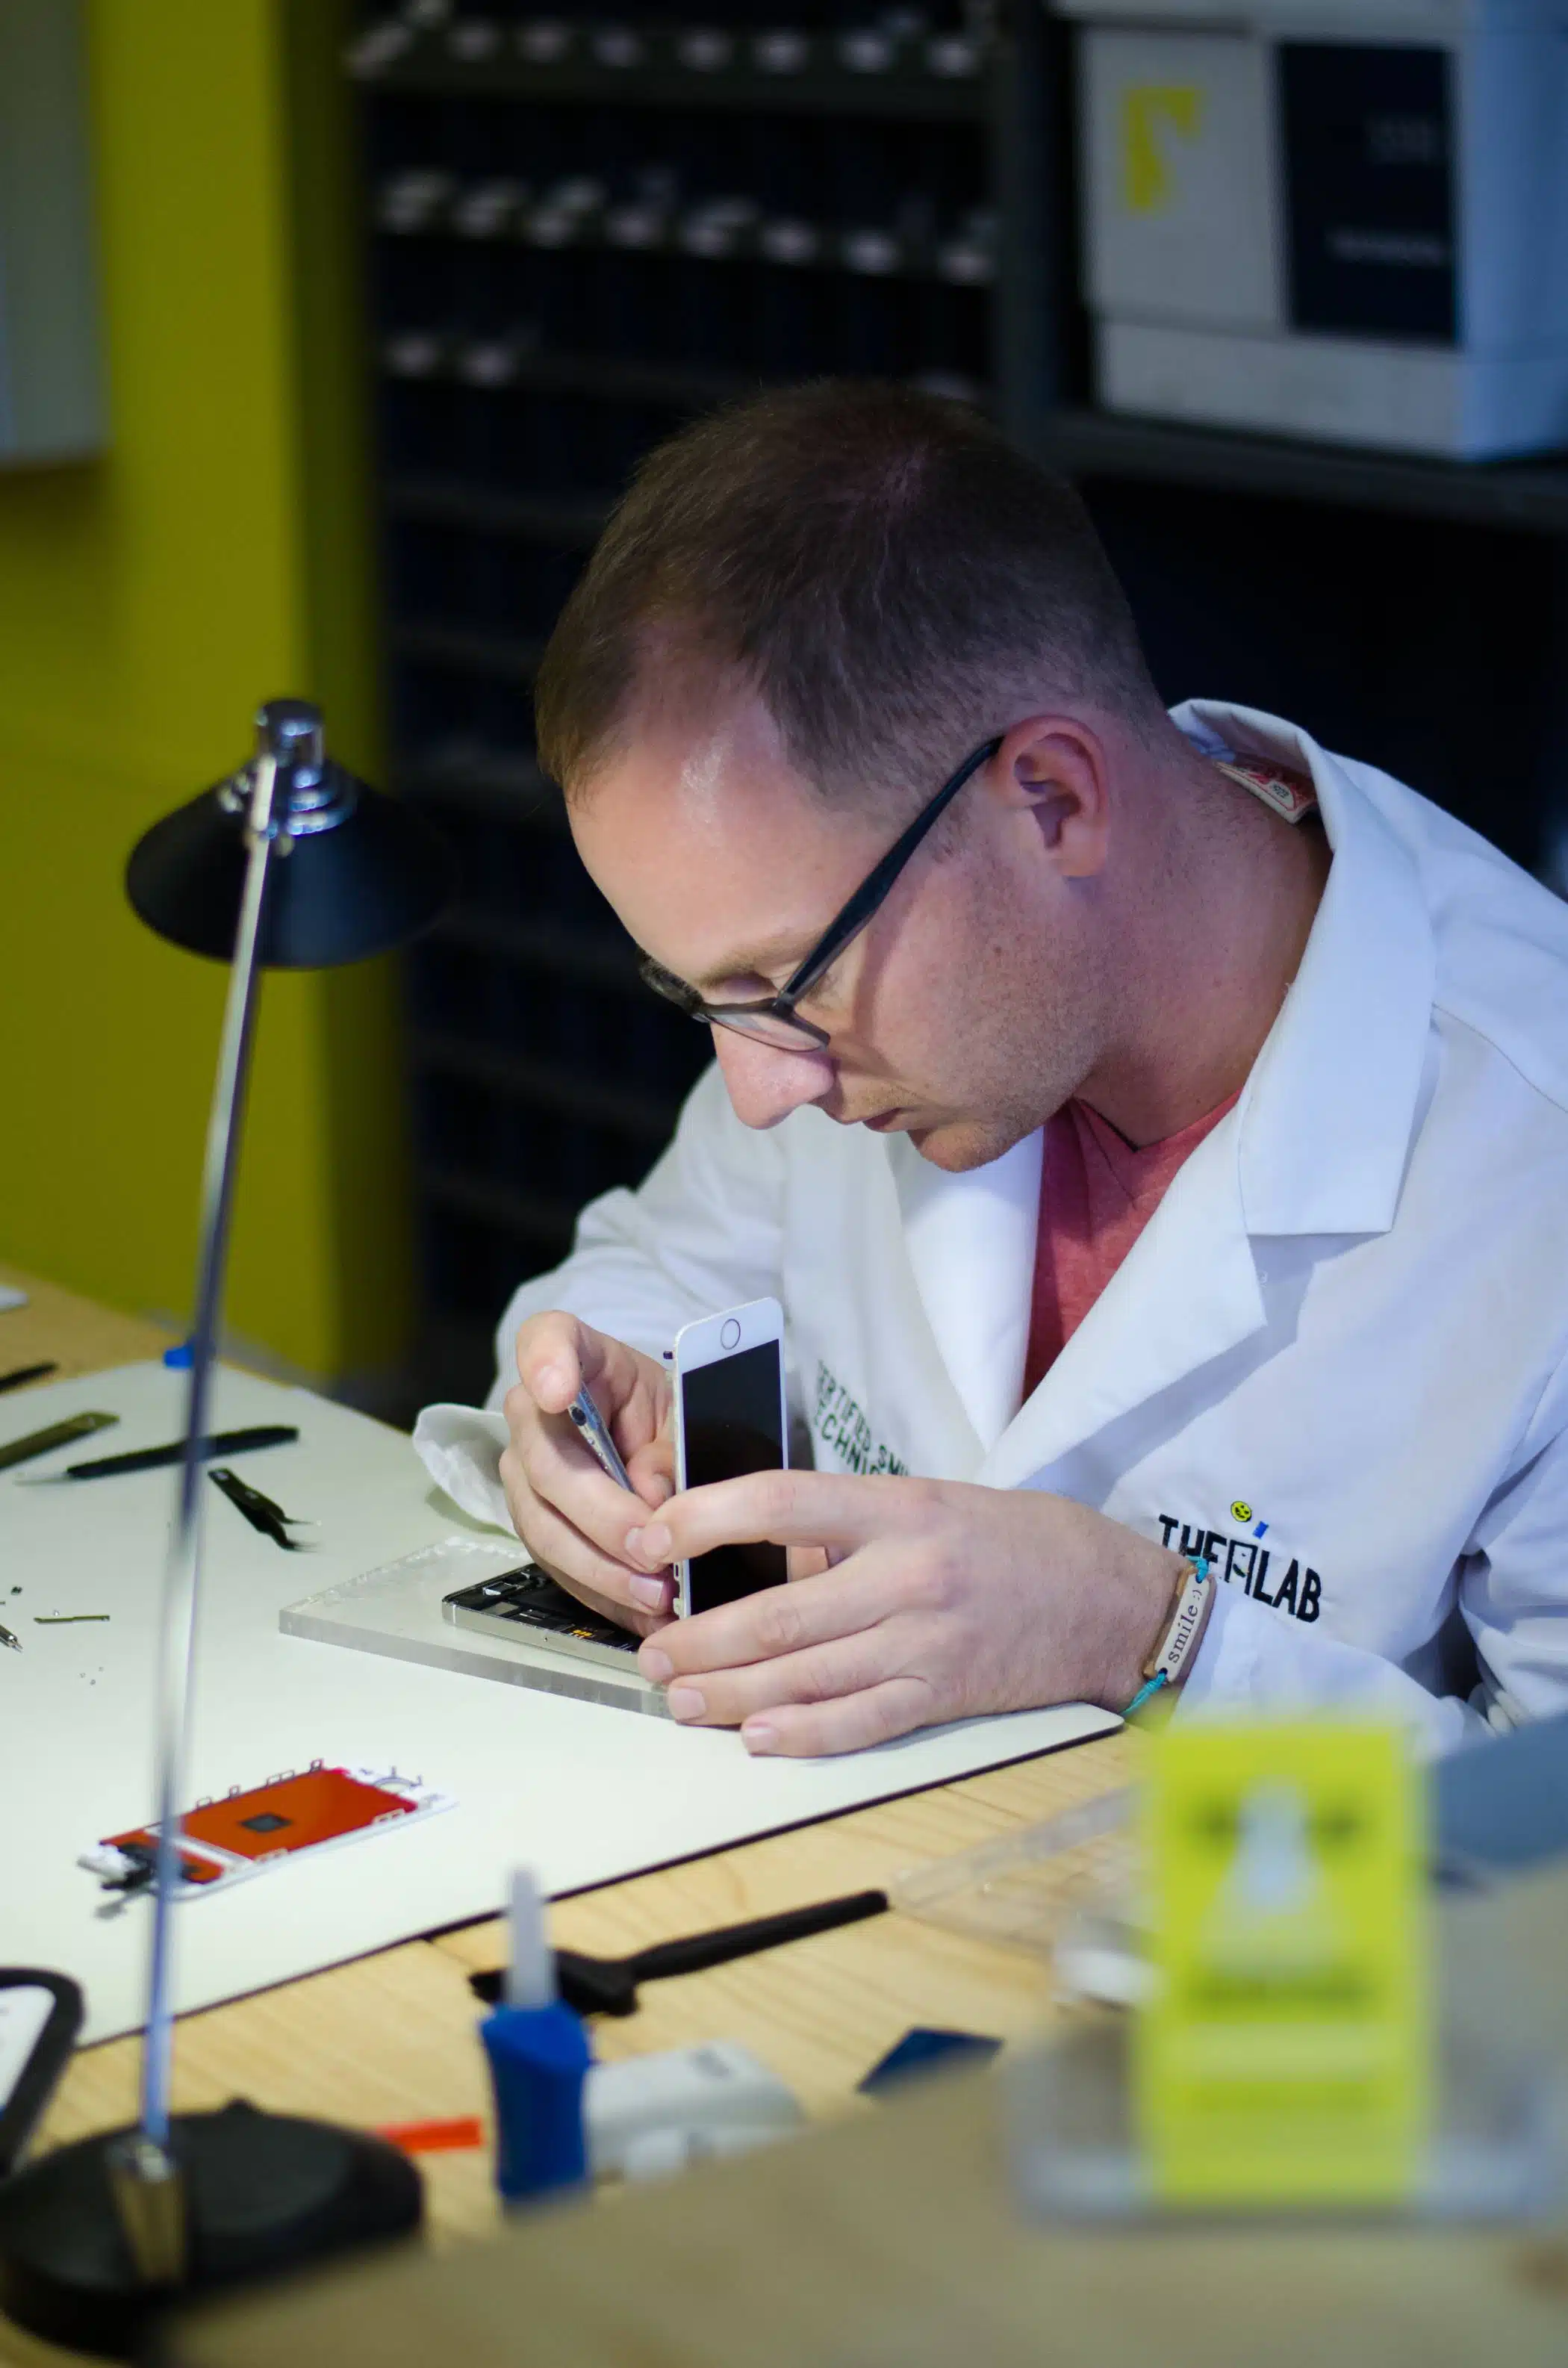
879	563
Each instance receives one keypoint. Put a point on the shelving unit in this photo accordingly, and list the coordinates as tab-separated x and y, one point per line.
1522	496
582	232
844	64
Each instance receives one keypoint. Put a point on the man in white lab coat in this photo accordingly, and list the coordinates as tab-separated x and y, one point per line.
1163	1167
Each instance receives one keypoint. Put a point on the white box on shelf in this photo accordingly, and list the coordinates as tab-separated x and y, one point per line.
1178	183
1398	398
1343	221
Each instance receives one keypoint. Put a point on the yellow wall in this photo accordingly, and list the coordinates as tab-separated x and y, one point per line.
148	601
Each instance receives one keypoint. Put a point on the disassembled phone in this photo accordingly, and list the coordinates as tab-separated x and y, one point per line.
730	1419
527	1607
225	1841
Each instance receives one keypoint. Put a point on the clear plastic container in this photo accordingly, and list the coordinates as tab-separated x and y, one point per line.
1066	1891
1069	1892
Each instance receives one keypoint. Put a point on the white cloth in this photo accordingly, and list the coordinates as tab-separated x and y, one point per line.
1335	1357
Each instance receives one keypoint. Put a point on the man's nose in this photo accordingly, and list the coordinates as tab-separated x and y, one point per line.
766	1083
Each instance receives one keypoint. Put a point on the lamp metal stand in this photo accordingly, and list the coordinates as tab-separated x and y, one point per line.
95	2236
155	2229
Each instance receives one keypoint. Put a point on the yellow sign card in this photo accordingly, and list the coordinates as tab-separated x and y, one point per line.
1285	2056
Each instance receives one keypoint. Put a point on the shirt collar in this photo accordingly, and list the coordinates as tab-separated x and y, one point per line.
1327	1117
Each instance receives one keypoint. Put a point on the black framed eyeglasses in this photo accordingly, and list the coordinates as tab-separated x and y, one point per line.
774	1019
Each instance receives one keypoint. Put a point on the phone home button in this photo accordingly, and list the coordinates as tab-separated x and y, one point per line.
730	1334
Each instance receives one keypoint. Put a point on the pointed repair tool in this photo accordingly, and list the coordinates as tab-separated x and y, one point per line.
59	1434
158	1459
260	1511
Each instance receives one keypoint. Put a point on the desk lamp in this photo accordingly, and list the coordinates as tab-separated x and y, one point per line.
290	864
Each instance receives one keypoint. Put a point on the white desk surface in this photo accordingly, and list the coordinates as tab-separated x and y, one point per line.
584	1793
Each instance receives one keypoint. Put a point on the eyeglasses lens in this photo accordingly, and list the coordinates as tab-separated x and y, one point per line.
767	1028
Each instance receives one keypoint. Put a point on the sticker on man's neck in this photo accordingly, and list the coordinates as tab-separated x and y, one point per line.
1289	794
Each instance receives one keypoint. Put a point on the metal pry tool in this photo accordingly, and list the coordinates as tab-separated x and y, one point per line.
57	1434
259	1510
595	1433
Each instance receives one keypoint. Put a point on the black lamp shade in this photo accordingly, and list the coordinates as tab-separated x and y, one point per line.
372	880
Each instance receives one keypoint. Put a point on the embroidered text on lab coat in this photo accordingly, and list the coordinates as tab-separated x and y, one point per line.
1243	1562
840	1425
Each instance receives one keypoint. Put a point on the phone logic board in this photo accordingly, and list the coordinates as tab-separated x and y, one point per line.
226	1841
527	1605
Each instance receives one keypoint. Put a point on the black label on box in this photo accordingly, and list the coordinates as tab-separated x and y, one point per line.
1369	181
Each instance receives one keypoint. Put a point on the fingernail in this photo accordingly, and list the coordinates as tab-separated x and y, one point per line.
685	1702
651	1544
756	1735
549	1377
649	1592
654	1665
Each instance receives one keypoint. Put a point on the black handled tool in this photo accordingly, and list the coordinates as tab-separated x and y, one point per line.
20	1374
39	2016
150	1459
259	1510
59	1434
608	1984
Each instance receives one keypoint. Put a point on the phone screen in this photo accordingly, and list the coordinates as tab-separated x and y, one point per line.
730	1423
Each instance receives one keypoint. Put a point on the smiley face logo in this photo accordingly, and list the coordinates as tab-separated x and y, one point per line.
1241	1510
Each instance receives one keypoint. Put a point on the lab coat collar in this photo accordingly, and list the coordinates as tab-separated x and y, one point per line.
1187	1291
1317	1144
1327	1115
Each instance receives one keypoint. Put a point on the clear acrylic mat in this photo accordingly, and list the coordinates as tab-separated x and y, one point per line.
396	1610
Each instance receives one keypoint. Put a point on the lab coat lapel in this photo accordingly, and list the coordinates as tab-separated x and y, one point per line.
1317	1144
970	1240
1185	1293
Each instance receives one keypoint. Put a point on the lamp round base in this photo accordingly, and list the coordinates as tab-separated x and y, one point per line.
263	2193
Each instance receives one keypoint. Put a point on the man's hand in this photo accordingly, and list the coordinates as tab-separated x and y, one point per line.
939	1601
569	1513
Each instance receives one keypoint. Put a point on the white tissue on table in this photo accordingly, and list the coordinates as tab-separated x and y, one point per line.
460	1447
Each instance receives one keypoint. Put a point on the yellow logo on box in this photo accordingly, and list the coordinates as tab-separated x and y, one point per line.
1150	113
1284	2059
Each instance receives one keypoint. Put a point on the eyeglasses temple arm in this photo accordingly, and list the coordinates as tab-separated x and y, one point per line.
872	890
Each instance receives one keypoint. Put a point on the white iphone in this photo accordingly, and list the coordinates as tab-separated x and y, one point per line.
729	1375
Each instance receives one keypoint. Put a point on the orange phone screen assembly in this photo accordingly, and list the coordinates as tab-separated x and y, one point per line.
244	1832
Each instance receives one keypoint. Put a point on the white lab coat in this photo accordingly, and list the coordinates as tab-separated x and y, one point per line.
1335	1357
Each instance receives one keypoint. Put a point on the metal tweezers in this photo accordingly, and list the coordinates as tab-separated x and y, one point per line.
259	1510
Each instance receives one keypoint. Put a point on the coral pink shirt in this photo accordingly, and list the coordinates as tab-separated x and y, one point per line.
1097	1194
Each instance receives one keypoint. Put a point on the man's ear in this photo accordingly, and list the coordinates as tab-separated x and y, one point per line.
1056	769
